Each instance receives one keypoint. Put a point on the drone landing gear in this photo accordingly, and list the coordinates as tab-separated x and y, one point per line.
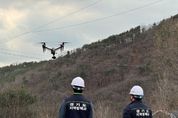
54	57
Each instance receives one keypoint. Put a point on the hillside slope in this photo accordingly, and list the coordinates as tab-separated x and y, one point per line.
110	68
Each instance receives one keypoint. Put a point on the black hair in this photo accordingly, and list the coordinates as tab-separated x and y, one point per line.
137	97
77	89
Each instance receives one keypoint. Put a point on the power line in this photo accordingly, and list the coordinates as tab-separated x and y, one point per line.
87	22
100	19
72	13
95	20
18	55
15	51
57	19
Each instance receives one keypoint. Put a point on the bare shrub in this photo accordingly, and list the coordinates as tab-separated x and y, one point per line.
165	67
16	104
104	109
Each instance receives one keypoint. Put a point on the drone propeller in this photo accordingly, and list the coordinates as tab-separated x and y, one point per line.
63	42
43	45
62	45
42	42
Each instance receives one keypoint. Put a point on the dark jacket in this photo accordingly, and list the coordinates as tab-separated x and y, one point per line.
137	109
76	106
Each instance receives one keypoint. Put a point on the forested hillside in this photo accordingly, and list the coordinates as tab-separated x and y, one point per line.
110	67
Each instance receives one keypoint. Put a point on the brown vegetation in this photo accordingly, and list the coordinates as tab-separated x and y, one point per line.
110	68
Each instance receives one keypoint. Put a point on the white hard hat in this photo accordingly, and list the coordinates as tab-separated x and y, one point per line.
136	90
78	81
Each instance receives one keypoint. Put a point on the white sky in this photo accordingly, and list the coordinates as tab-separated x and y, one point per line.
70	20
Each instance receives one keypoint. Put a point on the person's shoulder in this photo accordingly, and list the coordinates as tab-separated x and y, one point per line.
128	107
133	105
146	106
87	100
84	99
66	99
140	105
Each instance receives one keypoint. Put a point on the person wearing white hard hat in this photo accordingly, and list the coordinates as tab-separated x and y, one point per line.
136	109
76	106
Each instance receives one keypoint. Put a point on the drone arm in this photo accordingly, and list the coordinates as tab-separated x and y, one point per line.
48	48
61	47
57	48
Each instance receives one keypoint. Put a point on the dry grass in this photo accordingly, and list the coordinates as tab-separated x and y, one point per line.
150	62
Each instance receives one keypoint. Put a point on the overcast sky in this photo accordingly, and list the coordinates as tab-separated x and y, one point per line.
25	23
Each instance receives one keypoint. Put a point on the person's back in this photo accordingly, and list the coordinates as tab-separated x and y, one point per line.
136	109
76	106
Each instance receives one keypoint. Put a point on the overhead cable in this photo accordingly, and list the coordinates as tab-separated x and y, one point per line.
100	19
18	55
57	19
15	51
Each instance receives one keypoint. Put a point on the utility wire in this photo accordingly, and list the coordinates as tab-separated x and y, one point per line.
72	13
18	55
87	22
100	19
16	51
57	19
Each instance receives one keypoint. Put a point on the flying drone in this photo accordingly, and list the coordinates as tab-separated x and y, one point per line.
53	50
